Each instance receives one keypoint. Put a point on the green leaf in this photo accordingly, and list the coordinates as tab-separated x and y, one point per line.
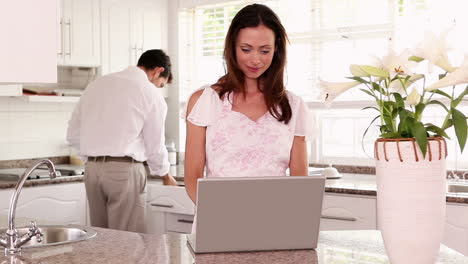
420	135
369	93
437	130
378	88
399	100
371	107
365	132
359	79
415	58
390	135
437	91
404	127
460	97
419	109
461	129
439	103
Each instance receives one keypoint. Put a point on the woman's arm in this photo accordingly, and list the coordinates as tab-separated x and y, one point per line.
194	151
298	163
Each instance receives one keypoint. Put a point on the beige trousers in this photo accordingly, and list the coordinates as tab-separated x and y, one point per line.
116	194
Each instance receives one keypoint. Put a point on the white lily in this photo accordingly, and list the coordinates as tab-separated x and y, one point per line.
399	87
459	76
396	64
331	90
434	49
414	97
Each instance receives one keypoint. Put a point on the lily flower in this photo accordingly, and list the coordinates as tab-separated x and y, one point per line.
414	97
366	71
459	76
434	49
331	90
399	87
396	64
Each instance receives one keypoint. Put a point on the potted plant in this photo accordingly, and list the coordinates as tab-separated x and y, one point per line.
410	153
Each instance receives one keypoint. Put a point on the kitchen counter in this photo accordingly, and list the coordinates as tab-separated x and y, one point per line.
111	246
350	184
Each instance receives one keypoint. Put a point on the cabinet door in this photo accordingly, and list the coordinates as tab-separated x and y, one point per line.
28	48
80	33
154	26
346	212
155	221
179	223
116	38
52	204
456	228
173	199
128	29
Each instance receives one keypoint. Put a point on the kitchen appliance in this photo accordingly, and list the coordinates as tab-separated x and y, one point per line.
15	173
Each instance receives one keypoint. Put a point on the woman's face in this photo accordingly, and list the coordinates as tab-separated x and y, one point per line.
255	47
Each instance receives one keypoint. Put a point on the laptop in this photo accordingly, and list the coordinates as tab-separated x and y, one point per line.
257	213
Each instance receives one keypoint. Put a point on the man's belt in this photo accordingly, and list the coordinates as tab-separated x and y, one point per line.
110	158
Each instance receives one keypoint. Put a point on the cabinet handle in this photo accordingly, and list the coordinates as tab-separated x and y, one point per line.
351	219
162	205
68	23
61	37
185	221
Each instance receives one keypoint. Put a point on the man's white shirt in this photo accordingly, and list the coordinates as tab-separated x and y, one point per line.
121	114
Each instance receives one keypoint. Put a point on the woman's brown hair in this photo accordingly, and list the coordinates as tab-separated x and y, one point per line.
272	79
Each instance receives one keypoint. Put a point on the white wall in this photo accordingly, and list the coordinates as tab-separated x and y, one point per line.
38	129
33	130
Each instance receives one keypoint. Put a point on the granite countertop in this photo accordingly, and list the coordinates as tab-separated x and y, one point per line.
111	246
349	183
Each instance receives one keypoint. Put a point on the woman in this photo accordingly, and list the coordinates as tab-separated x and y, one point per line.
247	124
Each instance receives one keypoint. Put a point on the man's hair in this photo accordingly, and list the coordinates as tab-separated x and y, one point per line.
151	59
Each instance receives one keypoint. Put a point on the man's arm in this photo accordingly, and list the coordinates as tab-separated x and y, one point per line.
154	139
73	130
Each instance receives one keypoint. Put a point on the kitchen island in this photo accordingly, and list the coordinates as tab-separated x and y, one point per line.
111	246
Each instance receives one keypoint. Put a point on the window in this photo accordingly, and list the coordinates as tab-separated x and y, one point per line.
326	36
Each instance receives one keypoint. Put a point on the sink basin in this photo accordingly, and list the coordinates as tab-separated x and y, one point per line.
457	188
57	235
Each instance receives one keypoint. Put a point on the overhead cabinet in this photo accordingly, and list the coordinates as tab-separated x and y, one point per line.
78	31
27	48
128	29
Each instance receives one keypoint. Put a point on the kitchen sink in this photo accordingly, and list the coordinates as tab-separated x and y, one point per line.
457	188
57	235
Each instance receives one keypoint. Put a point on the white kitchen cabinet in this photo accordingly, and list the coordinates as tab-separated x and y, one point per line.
456	227
348	212
130	27
28	47
78	33
49	204
169	209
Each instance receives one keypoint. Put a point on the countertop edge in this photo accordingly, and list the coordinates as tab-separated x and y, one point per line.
451	198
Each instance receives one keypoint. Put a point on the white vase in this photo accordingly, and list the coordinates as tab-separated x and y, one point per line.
411	193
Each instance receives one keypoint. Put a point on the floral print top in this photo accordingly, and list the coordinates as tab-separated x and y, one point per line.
237	146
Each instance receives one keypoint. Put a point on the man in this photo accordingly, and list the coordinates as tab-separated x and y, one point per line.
117	124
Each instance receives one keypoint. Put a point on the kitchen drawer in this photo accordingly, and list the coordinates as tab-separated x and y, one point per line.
347	212
179	223
173	199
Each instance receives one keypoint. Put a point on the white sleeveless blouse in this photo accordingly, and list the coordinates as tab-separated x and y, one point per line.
237	146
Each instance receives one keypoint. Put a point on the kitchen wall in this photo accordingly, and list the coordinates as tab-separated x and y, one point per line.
31	130
38	129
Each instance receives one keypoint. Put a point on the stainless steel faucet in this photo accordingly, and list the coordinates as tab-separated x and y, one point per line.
13	241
